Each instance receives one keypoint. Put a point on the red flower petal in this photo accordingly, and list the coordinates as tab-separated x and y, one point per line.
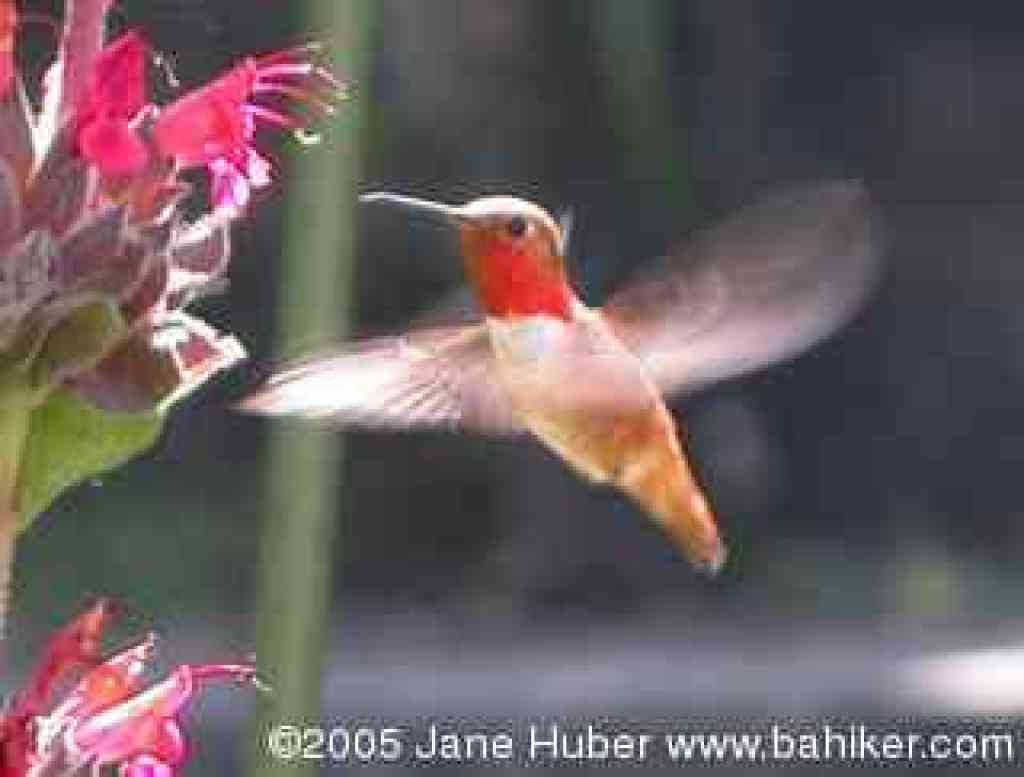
113	146
209	122
75	646
8	30
117	88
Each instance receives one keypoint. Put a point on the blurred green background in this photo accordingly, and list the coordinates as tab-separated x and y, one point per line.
872	486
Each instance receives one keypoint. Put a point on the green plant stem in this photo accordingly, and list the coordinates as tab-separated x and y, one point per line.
14	423
632	43
305	464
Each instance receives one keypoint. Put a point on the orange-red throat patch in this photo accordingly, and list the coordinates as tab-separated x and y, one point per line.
513	280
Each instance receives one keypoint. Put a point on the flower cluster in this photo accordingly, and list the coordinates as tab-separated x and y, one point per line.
97	261
109	717
123	135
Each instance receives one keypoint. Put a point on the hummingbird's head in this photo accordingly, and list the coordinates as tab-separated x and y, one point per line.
512	249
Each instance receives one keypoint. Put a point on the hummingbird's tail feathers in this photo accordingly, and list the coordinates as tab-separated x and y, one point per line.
663	484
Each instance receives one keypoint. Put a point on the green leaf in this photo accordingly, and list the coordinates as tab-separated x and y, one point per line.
79	341
70	441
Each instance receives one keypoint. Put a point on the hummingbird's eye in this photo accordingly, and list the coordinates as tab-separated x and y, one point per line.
517	226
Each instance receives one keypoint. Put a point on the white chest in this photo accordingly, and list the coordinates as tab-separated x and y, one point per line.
526	340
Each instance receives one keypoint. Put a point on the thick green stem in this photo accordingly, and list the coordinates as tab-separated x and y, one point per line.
302	490
13	432
632	42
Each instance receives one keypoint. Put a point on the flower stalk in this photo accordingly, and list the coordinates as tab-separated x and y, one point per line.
81	44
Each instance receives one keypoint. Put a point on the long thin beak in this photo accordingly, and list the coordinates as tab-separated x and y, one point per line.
450	213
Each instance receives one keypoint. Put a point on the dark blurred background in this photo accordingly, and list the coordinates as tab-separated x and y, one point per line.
872	486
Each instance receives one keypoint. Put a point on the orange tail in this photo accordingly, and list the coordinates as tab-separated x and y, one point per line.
662	483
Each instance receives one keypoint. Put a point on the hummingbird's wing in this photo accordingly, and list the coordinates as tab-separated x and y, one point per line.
438	377
761	287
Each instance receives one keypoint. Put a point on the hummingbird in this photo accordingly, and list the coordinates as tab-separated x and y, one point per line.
592	383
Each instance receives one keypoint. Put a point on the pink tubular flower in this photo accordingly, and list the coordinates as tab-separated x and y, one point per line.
214	126
71	650
109	718
115	95
143	732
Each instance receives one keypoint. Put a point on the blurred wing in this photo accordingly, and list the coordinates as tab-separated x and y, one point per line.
762	287
443	377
